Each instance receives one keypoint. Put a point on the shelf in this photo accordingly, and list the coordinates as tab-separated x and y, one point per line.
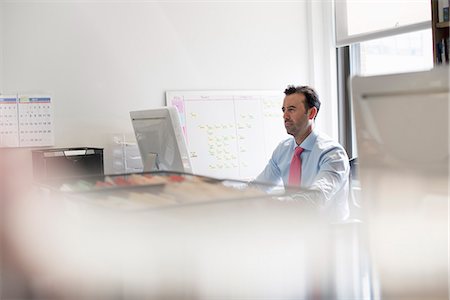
440	31
443	25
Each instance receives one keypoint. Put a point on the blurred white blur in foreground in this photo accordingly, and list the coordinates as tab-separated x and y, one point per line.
403	147
62	246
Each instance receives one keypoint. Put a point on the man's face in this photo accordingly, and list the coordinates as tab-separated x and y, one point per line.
297	120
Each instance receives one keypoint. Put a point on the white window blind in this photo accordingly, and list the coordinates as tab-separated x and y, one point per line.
362	20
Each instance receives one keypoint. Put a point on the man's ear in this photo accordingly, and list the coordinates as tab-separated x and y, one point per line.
312	113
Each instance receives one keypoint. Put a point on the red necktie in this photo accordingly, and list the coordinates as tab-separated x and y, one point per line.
295	171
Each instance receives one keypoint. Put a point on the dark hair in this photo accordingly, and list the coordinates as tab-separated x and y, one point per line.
312	99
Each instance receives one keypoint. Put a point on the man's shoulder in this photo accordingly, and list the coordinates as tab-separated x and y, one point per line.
328	148
325	142
285	145
288	142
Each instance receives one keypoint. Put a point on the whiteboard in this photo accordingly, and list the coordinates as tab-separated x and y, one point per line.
230	134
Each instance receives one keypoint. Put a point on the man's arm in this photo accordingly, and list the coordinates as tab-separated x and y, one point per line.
271	173
333	174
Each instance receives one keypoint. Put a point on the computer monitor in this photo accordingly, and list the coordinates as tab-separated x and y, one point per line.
160	140
402	120
402	127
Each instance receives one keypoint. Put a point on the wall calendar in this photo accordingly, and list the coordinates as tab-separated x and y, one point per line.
26	121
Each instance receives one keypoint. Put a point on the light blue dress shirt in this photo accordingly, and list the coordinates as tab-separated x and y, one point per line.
325	172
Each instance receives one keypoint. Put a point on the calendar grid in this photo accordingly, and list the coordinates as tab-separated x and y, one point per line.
26	121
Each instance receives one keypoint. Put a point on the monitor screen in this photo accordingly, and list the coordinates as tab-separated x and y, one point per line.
160	140
402	120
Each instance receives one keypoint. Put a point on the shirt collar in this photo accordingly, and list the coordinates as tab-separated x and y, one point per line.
309	142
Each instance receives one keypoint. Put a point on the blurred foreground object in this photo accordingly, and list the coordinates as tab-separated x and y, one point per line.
167	235
402	127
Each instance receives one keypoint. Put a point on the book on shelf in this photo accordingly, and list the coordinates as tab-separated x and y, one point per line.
447	46
442	52
443	7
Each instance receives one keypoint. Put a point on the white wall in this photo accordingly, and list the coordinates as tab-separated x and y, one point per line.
322	72
101	60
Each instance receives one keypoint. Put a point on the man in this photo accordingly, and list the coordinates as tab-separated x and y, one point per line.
322	166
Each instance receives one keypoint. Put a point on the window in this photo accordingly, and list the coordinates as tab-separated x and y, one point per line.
374	38
358	20
396	54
